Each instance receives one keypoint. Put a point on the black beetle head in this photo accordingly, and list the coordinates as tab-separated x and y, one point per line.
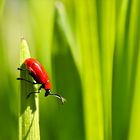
47	92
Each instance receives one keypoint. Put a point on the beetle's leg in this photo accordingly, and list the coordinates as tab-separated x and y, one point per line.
33	93
21	69
30	73
39	90
26	80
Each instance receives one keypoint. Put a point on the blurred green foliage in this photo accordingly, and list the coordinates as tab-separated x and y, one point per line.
91	50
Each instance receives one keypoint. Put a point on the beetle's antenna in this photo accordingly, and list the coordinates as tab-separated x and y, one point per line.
59	97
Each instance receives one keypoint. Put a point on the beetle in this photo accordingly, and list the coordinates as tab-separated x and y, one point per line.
38	73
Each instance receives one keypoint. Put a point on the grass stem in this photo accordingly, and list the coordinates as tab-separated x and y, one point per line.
29	109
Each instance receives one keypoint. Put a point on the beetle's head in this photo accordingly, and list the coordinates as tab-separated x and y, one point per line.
48	92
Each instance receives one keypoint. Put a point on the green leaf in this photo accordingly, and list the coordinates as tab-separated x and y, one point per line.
29	109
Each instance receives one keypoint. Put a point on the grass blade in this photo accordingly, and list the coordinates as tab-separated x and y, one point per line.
87	37
1	7
29	110
135	121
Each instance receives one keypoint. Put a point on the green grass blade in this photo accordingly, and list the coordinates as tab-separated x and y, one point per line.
1	7
134	133
125	59
87	36
29	110
65	28
106	33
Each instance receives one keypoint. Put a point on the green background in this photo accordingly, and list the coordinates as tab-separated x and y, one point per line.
91	50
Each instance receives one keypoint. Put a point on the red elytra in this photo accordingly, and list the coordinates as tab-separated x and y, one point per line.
37	71
39	74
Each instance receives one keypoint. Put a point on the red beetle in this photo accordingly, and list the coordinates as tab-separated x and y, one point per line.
39	74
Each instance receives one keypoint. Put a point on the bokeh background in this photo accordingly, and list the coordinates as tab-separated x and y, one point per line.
91	50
